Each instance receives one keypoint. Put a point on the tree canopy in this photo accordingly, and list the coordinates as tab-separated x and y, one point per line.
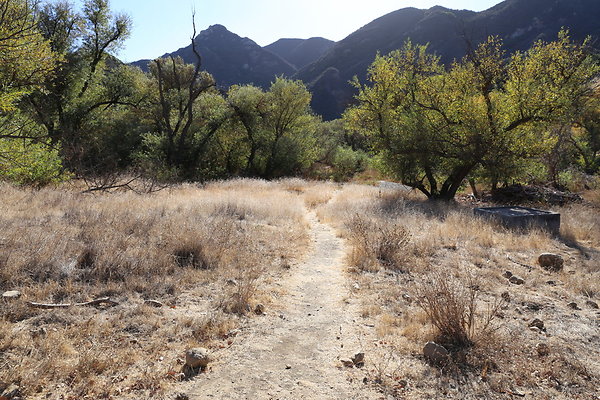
434	126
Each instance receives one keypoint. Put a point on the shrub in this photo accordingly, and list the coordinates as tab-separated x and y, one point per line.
453	309
377	242
26	162
347	163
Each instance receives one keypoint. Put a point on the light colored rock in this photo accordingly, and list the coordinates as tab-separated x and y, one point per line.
551	262
435	353
11	295
516	280
198	357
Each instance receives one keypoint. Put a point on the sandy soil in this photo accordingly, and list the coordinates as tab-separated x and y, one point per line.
293	351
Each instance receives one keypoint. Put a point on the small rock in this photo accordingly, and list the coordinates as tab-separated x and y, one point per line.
259	309
435	353
507	274
11	295
356	286
551	283
535	329
532	305
591	304
359	359
407	298
516	280
232	282
288	366
153	303
198	357
551	262
505	296
347	363
574	306
12	392
542	349
537	323
182	396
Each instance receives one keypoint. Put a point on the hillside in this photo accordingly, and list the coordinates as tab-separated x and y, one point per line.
518	22
232	59
300	52
326	66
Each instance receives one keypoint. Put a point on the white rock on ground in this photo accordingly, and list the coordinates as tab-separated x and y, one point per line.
11	295
197	357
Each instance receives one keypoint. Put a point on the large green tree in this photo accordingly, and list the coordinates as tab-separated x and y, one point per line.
279	129
435	126
26	59
89	82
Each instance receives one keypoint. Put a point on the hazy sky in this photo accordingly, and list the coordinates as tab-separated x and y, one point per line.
161	26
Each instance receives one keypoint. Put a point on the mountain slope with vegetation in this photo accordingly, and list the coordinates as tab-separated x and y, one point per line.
231	59
449	33
301	52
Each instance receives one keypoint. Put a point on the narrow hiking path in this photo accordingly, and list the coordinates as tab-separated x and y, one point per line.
294	352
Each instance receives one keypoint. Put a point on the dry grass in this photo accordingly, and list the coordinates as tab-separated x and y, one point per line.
450	288
204	252
314	193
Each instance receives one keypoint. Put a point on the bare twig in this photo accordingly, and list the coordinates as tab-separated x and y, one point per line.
93	303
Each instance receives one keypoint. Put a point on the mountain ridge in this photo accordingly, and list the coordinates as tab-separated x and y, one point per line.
328	66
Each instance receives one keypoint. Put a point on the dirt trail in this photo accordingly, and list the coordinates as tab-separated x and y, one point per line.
294	352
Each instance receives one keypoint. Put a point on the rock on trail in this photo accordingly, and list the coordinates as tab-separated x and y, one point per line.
296	357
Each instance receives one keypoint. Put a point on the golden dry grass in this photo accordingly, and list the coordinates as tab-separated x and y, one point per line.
207	253
448	244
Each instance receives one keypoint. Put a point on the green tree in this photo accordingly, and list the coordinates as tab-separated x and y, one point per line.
26	62
279	129
89	82
186	112
26	59
291	128
435	126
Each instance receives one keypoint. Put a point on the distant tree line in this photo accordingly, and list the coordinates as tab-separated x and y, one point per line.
70	108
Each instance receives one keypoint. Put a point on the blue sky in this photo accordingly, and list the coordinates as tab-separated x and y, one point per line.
161	26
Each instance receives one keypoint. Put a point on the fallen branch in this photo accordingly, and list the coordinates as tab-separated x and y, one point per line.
93	303
529	267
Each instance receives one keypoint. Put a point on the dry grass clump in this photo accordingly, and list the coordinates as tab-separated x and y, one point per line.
314	193
455	292
453	309
377	243
201	251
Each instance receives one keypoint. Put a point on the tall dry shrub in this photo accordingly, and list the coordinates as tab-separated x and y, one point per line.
377	242
453	308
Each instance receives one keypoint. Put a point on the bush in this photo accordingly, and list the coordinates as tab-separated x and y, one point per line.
377	243
452	308
348	162
26	162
